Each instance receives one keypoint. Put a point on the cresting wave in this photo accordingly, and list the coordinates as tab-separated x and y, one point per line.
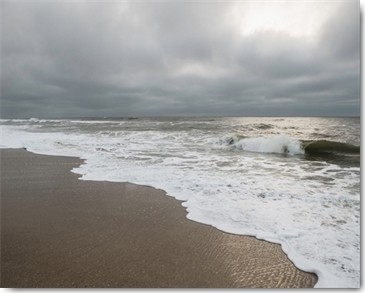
283	144
326	147
278	144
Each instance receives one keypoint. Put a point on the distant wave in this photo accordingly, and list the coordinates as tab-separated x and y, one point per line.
263	126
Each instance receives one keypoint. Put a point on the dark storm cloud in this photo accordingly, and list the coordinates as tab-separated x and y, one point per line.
340	36
62	59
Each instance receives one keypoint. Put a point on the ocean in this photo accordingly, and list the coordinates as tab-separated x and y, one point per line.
292	181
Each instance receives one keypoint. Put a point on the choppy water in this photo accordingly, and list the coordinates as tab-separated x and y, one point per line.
294	181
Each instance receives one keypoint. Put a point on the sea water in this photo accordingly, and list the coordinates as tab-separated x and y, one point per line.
292	181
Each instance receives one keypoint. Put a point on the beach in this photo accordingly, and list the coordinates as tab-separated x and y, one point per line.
58	231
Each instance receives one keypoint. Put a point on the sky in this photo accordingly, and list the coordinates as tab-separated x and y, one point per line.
179	58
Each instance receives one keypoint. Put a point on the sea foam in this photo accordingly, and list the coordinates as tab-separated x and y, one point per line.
279	144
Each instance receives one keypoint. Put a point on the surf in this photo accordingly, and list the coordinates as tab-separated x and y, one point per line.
290	197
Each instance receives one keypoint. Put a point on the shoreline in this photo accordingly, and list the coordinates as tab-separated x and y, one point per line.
59	231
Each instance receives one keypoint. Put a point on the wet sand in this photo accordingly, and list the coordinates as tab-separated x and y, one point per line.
58	231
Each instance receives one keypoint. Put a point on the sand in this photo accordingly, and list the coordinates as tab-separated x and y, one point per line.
59	231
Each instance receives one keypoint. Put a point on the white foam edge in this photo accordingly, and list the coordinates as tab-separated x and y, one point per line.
325	278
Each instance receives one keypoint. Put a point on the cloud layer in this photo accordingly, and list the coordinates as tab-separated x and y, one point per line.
77	59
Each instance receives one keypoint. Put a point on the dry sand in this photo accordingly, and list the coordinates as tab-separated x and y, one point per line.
58	231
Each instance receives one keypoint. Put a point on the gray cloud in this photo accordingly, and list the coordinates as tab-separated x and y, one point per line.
63	59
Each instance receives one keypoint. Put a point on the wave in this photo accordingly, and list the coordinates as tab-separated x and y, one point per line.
284	144
263	126
278	144
321	147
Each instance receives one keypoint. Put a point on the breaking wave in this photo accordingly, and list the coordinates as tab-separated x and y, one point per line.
284	144
278	144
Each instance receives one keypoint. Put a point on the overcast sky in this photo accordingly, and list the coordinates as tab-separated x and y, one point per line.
134	58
